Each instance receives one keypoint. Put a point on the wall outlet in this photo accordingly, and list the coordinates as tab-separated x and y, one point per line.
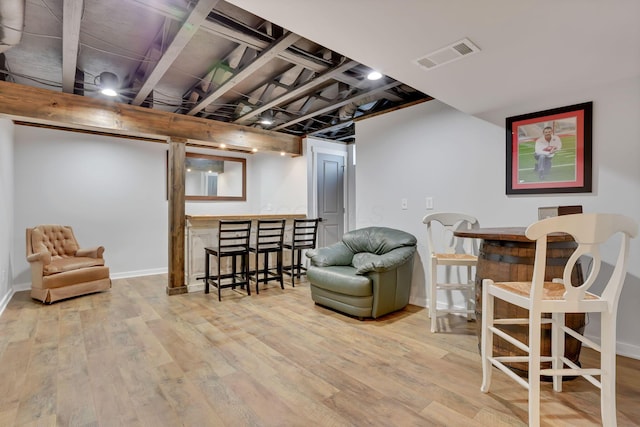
429	203
404	204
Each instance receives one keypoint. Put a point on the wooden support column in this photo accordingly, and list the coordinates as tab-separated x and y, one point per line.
176	284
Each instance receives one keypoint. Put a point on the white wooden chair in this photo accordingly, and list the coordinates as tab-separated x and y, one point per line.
450	251
558	297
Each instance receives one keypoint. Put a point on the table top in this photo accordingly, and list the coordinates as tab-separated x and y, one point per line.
511	234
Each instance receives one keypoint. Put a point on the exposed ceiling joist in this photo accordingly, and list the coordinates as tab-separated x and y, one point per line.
335	106
186	32
197	57
299	91
72	17
266	56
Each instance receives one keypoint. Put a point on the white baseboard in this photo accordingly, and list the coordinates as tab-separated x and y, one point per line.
622	348
195	287
419	301
21	287
6	299
138	273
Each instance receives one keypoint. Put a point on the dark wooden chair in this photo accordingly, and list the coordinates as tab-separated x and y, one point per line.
233	241
269	238
305	233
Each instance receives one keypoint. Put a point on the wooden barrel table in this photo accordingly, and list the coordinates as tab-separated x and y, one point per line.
506	254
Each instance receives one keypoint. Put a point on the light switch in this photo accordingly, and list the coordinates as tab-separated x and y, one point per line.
403	203
429	203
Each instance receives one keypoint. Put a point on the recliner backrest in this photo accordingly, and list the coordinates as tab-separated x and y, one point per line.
377	240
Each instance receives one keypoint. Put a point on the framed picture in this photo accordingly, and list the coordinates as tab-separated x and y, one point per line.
550	151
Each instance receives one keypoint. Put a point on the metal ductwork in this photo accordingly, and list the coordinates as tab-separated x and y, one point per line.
347	111
11	23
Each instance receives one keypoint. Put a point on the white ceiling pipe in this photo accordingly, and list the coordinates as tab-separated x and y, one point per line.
11	23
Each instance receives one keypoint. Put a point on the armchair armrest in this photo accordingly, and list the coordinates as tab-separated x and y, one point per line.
366	262
336	254
91	252
43	257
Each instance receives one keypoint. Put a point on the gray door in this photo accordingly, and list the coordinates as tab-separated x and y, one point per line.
330	198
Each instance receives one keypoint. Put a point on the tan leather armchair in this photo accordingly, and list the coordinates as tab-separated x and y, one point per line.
59	268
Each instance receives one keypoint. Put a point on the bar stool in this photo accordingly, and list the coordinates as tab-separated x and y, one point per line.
305	232
269	237
233	241
453	254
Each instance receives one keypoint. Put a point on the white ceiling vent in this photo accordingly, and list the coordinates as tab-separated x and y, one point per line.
447	54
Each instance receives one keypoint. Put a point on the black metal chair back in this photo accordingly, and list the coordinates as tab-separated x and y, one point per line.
233	241
269	239
305	234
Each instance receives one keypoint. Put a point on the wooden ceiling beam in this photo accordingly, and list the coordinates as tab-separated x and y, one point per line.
42	106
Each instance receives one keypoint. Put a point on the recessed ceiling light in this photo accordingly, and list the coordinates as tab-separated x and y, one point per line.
108	83
254	150
109	92
282	153
374	75
223	145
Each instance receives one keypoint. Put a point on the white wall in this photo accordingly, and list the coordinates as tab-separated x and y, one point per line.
434	150
112	191
280	183
314	146
275	185
6	210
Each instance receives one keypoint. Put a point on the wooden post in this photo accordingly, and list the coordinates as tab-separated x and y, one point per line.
176	284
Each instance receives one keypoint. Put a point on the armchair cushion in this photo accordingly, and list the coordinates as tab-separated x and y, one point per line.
71	263
342	279
366	262
336	254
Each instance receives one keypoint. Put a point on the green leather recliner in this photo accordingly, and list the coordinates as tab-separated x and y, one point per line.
367	274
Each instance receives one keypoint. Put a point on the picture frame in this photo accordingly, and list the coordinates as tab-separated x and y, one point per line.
550	151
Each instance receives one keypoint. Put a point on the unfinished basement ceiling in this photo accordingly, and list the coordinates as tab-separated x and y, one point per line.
204	58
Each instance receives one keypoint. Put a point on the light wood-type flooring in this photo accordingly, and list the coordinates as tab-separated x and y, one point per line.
134	356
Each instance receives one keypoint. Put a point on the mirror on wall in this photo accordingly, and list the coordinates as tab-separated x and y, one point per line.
210	177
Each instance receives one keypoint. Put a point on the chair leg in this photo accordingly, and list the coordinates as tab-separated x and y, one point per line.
279	268
245	264
257	273
206	273
534	368
557	348
433	292
218	278
486	348
234	266
293	268
608	369
468	295
265	267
